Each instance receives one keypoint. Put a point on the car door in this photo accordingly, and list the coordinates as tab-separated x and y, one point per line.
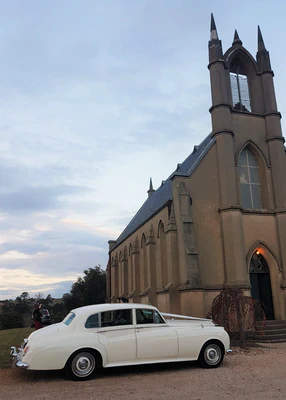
155	339
117	335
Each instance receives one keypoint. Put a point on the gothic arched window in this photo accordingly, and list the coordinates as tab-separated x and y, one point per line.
239	87
249	178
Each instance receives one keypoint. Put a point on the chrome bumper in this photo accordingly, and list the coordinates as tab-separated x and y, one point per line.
16	358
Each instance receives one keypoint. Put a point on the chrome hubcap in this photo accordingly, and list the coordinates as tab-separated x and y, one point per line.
83	364
212	354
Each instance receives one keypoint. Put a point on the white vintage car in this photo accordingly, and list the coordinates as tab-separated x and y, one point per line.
111	335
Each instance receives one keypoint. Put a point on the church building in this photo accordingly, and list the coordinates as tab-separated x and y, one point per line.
219	220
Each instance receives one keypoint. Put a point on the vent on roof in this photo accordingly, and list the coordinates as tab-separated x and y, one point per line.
178	167
163	182
196	148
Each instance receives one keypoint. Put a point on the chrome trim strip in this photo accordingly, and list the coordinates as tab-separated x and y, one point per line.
185	317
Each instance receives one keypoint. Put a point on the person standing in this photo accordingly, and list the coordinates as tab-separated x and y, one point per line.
37	315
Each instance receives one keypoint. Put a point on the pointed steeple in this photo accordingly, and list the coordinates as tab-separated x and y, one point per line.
151	190
213	29
236	39
172	220
262	56
151	236
261	45
215	47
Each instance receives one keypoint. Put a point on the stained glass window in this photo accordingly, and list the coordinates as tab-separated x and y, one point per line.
250	186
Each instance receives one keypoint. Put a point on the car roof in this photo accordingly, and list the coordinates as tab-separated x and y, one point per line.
95	308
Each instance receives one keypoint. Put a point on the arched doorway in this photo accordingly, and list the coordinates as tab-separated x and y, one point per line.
261	283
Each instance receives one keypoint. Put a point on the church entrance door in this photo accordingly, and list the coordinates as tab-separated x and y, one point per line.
261	283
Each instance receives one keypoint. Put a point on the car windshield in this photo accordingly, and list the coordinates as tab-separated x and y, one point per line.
69	318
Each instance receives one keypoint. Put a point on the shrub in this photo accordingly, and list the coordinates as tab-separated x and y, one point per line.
241	316
11	320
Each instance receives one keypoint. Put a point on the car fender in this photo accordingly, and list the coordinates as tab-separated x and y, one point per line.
54	354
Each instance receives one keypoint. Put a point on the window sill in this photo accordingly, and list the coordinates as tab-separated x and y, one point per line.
257	211
262	211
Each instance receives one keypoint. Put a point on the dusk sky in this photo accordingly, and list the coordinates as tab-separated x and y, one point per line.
96	97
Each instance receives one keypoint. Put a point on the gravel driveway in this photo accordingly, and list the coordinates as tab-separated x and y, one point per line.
257	373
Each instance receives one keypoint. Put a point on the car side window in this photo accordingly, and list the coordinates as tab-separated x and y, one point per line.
92	321
69	318
158	319
116	318
146	316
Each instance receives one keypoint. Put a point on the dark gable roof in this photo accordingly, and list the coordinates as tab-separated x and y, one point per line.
160	198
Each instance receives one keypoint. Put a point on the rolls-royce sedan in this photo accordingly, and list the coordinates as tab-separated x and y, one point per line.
112	335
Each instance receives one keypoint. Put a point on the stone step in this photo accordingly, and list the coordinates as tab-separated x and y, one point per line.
270	341
275	321
275	336
272	324
273	327
267	332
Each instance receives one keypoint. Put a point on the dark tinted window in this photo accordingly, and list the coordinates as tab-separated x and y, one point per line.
146	316
116	317
92	321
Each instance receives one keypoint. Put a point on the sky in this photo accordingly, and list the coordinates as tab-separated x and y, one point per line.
96	97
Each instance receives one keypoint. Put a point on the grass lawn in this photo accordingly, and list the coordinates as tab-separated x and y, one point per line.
8	338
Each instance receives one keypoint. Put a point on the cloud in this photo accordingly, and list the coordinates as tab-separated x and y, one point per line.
31	198
89	114
16	255
77	224
19	280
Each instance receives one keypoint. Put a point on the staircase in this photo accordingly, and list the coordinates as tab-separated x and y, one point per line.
274	332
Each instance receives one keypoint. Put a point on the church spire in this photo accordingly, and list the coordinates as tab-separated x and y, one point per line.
261	45
213	29
215	47
262	56
151	190
236	39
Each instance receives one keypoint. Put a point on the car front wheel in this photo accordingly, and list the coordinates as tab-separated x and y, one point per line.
81	366
211	355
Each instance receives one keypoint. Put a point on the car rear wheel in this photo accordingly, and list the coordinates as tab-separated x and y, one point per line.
81	366
211	355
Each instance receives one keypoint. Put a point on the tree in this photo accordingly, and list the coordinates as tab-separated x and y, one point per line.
89	289
25	296
39	297
7	306
241	316
23	303
47	301
57	312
